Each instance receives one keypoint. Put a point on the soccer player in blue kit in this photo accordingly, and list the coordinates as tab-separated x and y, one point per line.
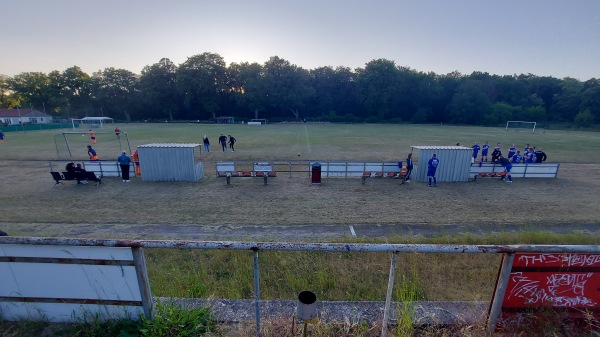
517	157
475	151
432	165
507	166
511	151
484	151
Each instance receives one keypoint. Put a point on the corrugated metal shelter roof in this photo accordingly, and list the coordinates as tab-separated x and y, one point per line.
170	162
95	118
171	145
455	162
427	147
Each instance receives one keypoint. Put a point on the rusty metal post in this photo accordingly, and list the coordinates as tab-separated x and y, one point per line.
304	246
388	296
256	292
496	306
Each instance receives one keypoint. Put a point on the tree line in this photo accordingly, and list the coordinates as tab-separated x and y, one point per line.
204	87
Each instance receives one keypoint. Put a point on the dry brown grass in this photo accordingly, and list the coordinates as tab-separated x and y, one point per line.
31	206
29	196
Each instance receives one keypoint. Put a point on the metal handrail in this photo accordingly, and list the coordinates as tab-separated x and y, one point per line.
255	247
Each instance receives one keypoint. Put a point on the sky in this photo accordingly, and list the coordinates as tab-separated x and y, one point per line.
559	38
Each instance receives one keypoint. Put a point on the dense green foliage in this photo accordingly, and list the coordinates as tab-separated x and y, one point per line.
204	87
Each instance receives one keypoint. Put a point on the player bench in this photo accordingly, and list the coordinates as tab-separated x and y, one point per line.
85	176
397	175
228	170
519	170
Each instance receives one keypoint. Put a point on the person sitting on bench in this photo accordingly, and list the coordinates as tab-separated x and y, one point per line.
70	167
84	175
74	171
79	172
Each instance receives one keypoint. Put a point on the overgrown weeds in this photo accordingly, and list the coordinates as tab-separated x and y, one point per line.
339	276
408	291
170	320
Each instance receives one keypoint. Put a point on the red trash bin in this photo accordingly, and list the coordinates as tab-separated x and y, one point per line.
316	173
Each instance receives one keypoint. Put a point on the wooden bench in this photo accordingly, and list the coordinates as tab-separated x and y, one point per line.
87	176
397	175
519	170
500	175
228	170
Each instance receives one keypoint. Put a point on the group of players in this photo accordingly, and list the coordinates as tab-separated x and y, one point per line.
530	154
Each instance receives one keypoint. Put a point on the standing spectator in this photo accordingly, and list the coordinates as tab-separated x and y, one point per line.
432	165
124	162
409	166
511	151
223	141
517	157
540	156
118	132
484	151
475	151
1	137
92	153
232	142
93	136
206	143
507	166
496	153
526	149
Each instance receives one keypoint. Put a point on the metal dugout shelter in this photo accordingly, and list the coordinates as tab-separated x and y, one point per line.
170	162
455	162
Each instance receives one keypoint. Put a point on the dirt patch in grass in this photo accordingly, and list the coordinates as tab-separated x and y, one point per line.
30	196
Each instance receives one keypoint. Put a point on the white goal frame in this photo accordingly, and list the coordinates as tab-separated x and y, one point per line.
91	122
522	122
257	121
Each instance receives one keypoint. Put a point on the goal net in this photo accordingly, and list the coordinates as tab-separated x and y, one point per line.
90	122
73	145
257	121
517	125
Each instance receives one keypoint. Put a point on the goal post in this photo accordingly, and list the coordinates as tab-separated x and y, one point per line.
73	144
521	125
258	121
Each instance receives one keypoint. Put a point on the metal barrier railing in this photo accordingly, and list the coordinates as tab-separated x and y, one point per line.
344	169
255	247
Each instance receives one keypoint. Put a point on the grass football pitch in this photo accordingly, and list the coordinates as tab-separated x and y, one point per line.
31	205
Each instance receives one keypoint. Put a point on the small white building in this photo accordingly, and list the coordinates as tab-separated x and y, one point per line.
23	116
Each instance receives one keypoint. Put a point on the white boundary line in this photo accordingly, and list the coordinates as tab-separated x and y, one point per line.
307	139
352	230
